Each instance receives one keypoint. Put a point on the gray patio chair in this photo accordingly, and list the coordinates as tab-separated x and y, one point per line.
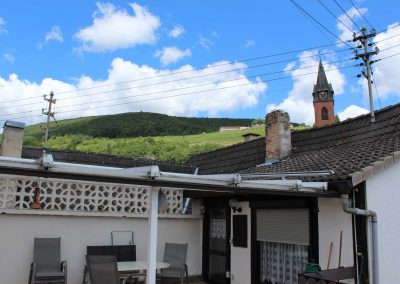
175	255
46	266
103	269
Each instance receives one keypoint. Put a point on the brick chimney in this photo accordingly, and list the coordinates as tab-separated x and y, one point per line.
13	138
277	136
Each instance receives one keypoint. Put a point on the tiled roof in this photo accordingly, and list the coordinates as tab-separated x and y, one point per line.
104	160
230	159
344	148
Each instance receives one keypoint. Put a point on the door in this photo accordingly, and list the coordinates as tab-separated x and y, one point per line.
217	248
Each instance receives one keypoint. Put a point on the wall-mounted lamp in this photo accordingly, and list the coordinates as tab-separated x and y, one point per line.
237	209
234	204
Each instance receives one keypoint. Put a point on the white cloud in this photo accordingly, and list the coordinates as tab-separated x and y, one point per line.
177	31
8	57
2	23
113	29
205	42
172	54
386	72
299	103
345	33
55	34
249	43
184	91
351	111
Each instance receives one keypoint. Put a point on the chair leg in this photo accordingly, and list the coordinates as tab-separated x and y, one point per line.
30	277
84	275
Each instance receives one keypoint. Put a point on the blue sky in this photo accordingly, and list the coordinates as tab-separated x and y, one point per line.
189	58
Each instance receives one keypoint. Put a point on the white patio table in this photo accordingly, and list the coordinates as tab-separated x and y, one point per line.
127	266
136	269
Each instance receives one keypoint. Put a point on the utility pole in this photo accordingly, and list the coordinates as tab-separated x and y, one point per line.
366	44
49	115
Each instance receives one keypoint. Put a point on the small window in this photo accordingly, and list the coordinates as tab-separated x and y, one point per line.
324	113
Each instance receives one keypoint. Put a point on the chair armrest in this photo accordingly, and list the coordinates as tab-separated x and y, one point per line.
184	267
63	265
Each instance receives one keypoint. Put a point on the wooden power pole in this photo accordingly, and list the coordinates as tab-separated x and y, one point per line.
49	116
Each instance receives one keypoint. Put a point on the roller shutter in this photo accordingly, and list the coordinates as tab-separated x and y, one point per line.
289	226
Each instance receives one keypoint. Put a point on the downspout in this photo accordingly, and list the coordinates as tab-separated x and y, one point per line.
374	225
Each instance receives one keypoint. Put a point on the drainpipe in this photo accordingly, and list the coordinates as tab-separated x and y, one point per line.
374	222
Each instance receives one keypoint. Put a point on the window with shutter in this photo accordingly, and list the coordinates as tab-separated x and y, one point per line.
283	237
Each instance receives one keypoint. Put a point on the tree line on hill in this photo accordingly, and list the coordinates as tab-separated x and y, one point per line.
140	124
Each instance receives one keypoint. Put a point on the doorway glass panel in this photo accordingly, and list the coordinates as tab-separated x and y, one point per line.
218	246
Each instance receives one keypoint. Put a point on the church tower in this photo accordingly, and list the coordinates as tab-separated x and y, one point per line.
323	99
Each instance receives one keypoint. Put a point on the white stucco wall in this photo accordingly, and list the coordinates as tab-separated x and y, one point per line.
383	197
18	231
332	220
241	257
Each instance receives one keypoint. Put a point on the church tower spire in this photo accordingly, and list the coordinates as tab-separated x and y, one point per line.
323	99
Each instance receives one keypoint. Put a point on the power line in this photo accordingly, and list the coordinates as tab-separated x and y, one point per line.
187	87
344	11
196	92
396	35
207	84
365	19
204	68
171	81
388	28
222	88
387	57
386	49
334	15
185	94
315	20
149	85
207	75
376	90
226	81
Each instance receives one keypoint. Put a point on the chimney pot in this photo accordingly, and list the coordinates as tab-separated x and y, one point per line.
277	137
250	136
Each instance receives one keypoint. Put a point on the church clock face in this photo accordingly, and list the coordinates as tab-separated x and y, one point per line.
323	95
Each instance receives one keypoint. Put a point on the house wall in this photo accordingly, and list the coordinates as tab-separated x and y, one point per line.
331	221
18	231
241	257
382	194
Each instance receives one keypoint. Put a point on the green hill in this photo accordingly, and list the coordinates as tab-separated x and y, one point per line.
139	124
165	148
157	136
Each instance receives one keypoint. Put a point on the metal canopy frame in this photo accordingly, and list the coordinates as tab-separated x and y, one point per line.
151	175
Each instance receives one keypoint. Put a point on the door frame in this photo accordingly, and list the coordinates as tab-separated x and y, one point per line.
215	203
